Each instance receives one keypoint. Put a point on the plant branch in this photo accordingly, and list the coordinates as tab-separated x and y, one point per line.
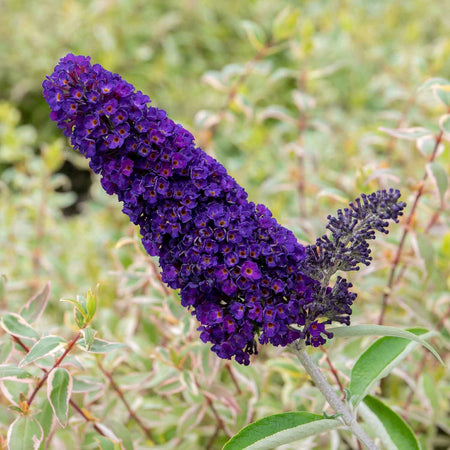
407	228
322	384
115	386
233	378
72	403
57	363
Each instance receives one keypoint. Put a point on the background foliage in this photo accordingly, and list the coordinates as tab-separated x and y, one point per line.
289	96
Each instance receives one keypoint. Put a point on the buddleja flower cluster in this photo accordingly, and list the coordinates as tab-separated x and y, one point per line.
239	271
347	248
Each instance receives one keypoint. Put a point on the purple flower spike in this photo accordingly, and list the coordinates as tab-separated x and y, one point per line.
240	271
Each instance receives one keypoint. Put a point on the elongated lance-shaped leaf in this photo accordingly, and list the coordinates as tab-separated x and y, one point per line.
12	372
33	308
59	391
280	429
394	432
16	325
100	345
382	330
44	347
378	361
88	334
440	178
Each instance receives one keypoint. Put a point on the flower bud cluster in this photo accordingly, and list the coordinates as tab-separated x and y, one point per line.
346	248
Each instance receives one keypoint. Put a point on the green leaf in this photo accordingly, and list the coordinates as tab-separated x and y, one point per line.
88	334
25	433
378	361
285	23
16	325
381	330
91	304
123	433
429	387
280	429
439	175
59	391
433	82
427	252
303	102
255	34
44	347
5	350
101	346
81	385
442	93
426	145
35	306
409	134
444	123
10	371
80	319
79	303
394	432
107	444
45	417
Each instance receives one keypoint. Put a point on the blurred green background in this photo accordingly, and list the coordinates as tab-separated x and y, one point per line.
288	95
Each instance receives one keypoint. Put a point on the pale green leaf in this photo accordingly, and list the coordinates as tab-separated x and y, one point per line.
280	429
10	371
35	306
444	123
59	391
5	350
409	134
91	304
44	347
25	433
101	346
426	145
16	325
255	34
381	330
45	417
303	101
81	385
442	93
123	433
440	178
433	82
285	23
394	432
378	361
88	334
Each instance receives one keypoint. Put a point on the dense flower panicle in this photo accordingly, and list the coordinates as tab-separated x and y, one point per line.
235	266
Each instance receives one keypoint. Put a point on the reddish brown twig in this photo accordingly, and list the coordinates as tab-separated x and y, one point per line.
119	392
72	403
86	417
333	371
57	363
212	439
235	382
406	230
